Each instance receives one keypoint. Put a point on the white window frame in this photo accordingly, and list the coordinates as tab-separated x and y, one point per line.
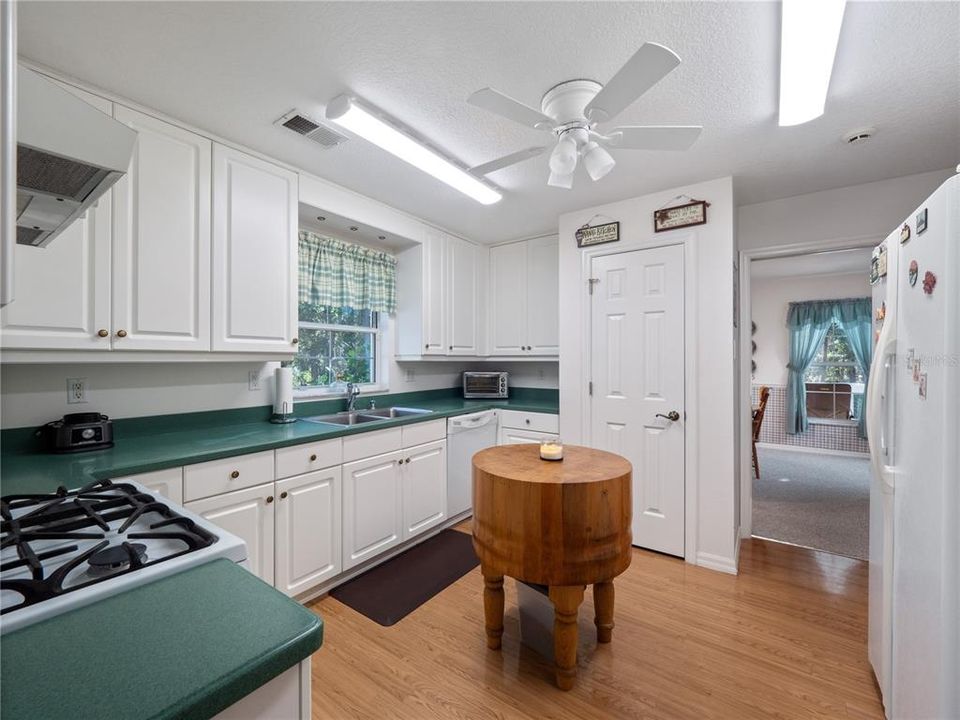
380	386
829	421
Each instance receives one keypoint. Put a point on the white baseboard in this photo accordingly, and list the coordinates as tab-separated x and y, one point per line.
813	450
717	562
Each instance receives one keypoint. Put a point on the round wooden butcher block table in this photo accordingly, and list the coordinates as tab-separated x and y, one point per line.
564	524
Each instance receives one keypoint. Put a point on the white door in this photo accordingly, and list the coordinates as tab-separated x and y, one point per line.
372	507
424	487
543	296
308	530
463	288
248	514
166	483
62	291
161	239
434	287
254	254
509	436
508	299
637	352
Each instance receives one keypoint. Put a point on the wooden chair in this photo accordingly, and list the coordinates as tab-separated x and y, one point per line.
757	422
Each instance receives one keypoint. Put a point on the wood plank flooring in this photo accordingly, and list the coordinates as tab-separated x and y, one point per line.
784	639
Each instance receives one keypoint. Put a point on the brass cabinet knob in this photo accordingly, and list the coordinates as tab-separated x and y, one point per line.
103	332
283	495
427	346
269	498
313	458
235	474
400	461
407	461
451	347
295	341
527	421
121	333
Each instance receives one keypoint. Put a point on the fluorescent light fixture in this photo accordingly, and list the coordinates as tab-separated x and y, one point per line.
809	31
346	112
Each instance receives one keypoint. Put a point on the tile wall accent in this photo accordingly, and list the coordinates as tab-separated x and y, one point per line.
825	437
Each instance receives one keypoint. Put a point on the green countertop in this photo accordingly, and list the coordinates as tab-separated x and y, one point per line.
146	444
184	646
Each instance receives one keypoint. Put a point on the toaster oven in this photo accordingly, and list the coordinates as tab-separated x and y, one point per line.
485	385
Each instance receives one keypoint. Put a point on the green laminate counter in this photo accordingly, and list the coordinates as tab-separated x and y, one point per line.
187	439
184	646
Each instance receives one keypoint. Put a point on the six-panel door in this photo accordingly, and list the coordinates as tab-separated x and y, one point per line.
424	487
372	507
308	509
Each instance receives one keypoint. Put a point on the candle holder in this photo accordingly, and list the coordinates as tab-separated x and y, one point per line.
551	449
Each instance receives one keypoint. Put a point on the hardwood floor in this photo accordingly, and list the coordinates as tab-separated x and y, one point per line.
784	639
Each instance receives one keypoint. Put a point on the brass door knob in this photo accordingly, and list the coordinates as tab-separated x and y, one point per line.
103	332
121	333
269	498
235	474
283	495
672	416
313	458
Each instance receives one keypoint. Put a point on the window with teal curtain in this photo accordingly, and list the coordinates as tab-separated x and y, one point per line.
855	318
339	274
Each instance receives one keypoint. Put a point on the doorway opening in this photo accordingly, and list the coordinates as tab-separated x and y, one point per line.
811	322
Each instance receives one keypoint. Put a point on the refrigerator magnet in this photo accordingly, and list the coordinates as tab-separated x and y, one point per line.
916	370
913	272
921	221
923	387
911	354
929	282
904	233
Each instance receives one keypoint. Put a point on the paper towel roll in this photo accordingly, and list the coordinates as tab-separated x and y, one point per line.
283	391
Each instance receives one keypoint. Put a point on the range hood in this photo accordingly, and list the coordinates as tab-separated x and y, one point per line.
68	155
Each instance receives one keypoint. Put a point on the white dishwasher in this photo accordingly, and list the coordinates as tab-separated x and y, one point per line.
466	435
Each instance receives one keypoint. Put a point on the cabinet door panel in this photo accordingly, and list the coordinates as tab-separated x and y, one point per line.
424	487
161	239
166	483
308	530
508	436
543	296
248	514
434	287
372	518
62	291
508	299
463	268
254	254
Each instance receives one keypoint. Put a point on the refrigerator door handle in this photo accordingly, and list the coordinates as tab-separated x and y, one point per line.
877	407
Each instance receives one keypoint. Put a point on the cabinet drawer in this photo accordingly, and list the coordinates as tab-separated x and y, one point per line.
306	458
540	422
368	444
424	432
220	476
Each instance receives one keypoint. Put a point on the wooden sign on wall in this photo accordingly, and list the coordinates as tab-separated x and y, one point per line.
598	234
680	216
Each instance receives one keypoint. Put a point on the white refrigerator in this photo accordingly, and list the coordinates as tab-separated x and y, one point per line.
913	423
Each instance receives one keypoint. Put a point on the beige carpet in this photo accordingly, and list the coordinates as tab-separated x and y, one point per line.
819	501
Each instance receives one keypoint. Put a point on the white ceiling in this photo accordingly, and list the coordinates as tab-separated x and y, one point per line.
838	262
235	67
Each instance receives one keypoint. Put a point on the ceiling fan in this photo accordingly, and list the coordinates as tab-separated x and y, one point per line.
572	111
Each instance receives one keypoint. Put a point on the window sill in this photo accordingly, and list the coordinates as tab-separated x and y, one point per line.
328	394
828	421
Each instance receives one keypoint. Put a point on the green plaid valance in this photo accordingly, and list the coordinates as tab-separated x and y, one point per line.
340	274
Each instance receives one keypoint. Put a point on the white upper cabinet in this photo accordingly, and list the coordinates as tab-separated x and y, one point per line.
435	306
254	254
524	298
463	297
161	239
62	291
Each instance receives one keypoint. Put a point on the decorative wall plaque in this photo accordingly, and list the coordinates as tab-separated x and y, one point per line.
680	216
598	234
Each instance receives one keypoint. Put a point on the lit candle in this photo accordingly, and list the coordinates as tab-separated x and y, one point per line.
551	449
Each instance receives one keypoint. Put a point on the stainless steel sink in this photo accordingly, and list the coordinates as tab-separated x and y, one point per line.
394	412
343	418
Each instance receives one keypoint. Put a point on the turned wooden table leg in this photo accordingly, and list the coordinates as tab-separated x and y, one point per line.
493	609
566	602
603	605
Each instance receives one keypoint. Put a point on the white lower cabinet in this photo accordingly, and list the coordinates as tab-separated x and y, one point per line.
372	507
509	436
248	514
286	697
166	483
308	513
424	481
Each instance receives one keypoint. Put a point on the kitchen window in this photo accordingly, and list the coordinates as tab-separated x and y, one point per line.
338	345
834	381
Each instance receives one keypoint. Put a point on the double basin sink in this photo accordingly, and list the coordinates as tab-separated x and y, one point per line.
359	417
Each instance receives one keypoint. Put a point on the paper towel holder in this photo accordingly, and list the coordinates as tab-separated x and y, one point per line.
283	394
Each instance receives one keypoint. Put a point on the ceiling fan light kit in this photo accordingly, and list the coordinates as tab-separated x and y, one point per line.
350	114
572	110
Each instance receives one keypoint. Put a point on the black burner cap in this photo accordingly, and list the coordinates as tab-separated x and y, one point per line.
117	556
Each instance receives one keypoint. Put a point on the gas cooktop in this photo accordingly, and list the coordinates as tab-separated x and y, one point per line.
66	549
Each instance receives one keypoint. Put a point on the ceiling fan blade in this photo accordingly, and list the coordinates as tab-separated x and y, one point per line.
653	137
648	66
505	106
508	160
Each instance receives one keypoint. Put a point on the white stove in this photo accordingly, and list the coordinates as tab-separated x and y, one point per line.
67	549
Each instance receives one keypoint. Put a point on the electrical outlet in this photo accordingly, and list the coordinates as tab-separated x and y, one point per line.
76	391
409	375
253	380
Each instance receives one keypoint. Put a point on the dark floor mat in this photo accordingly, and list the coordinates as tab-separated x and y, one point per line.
388	593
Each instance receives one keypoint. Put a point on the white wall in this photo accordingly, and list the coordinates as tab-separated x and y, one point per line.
870	210
771	296
711	409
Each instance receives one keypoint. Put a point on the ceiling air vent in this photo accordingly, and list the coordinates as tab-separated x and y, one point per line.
311	129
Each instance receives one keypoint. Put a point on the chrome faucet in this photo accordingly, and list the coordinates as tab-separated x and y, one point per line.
352	392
